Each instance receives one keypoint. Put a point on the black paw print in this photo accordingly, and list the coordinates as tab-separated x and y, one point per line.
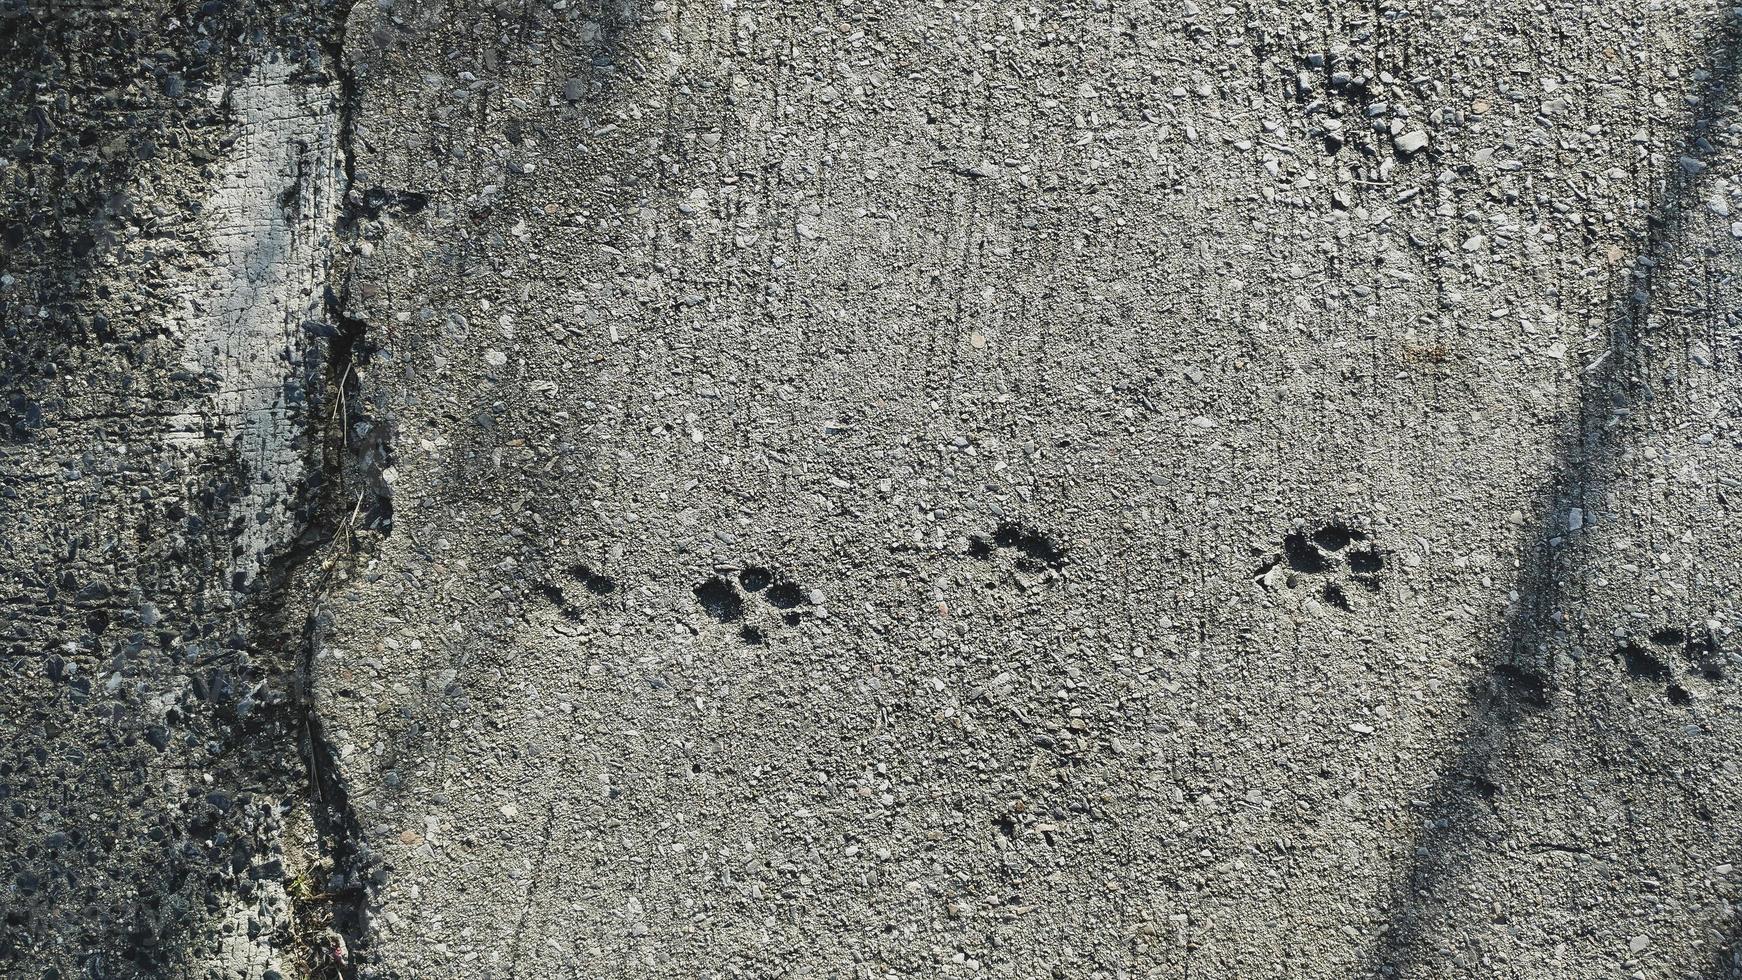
1331	550
756	593
1036	554
1655	660
591	581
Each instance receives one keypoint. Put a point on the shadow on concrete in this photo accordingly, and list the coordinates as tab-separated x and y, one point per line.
1727	961
1518	689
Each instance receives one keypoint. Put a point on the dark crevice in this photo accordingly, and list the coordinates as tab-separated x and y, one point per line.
331	910
365	443
1558	849
352	503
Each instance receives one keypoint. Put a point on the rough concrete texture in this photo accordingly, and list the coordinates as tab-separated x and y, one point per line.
172	178
563	488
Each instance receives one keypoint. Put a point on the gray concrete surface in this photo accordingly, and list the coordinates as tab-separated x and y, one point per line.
753	489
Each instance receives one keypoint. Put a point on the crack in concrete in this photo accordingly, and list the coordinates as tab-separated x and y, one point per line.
332	918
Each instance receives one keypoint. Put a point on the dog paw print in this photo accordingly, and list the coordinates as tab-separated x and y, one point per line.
1036	557
1677	658
588	580
1335	554
754	597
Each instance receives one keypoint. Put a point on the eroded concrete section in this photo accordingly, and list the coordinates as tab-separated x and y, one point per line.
255	300
169	211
